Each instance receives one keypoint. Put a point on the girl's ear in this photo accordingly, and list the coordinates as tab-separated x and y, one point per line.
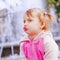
42	24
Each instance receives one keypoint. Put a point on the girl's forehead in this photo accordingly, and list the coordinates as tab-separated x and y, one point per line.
27	17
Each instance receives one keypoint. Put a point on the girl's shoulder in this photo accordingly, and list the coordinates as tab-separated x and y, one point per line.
48	37
45	34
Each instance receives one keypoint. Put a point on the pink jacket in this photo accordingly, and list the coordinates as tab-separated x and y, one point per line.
34	50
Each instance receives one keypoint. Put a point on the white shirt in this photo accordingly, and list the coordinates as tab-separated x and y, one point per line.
51	48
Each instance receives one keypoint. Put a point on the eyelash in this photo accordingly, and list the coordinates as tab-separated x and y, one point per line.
28	21
24	21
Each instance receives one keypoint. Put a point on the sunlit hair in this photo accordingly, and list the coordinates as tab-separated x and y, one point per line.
41	15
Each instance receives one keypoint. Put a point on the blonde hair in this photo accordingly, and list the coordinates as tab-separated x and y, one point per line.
42	16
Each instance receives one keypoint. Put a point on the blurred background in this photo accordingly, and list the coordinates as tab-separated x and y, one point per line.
11	24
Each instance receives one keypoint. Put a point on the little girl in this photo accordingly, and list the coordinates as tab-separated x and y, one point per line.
40	44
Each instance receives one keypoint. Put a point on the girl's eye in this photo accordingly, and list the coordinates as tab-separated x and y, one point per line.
29	20
24	21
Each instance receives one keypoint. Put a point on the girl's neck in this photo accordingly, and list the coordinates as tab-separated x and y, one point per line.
31	37
35	36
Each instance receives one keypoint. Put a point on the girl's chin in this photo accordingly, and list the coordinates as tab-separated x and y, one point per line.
27	32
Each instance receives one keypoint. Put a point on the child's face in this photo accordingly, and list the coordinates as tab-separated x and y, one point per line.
31	25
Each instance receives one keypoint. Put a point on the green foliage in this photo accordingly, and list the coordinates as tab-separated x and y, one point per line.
56	3
58	9
51	1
